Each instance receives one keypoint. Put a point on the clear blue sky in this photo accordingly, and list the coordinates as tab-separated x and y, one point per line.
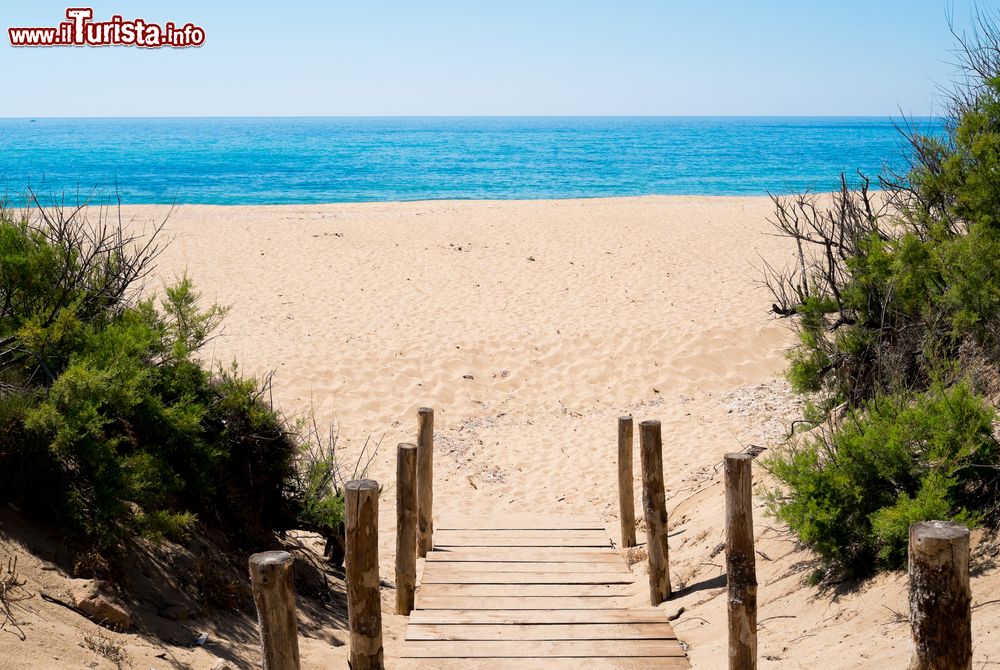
413	57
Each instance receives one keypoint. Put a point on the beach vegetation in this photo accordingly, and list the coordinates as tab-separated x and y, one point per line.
852	494
110	424
895	297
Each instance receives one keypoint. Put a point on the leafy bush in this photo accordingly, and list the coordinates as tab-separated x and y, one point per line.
852	495
895	297
887	286
110	425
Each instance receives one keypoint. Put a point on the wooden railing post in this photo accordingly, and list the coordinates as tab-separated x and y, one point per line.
741	564
364	610
940	596
626	499
654	507
271	579
425	481
406	527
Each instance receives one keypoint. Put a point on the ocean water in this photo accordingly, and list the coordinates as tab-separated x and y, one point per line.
315	160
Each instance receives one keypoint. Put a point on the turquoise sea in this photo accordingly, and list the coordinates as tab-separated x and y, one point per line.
314	160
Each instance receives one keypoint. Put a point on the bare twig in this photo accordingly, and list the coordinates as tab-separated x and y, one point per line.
12	592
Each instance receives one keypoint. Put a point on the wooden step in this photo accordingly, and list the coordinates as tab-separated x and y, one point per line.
487	591
436	575
436	566
540	648
523	554
547	631
533	592
520	616
544	663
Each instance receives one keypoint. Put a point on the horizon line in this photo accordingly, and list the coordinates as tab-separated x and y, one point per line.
486	116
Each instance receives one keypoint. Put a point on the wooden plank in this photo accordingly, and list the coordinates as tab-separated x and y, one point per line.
596	534
520	522
518	590
533	593
458	576
520	554
599	631
513	617
446	540
514	602
540	648
592	663
435	567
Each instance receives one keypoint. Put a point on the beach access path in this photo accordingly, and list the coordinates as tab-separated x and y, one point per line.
533	591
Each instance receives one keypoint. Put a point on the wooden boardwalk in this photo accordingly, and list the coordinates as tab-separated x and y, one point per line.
533	592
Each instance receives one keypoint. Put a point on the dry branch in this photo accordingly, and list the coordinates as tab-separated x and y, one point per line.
12	592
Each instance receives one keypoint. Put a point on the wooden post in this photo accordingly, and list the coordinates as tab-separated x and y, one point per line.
741	564
406	527
626	499
274	594
654	508
364	610
425	481
940	597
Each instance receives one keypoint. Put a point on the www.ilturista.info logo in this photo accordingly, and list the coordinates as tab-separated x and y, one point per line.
80	30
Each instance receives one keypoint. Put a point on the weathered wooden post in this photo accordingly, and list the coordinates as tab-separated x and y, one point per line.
741	564
406	527
364	611
654	508
940	596
271	579
425	481
626	499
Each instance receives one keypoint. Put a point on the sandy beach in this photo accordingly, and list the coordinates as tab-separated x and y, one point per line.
529	326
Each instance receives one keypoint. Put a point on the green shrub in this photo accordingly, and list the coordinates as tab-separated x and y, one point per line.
321	511
105	408
253	460
881	282
852	495
895	298
171	525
